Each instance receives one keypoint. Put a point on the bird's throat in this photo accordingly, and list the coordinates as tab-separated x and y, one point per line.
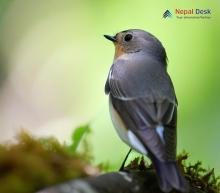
118	51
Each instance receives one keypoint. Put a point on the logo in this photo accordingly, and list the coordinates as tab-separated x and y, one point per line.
192	13
167	14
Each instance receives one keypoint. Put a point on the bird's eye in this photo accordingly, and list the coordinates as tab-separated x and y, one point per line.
128	37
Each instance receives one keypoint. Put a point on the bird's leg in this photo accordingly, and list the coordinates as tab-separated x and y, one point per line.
123	163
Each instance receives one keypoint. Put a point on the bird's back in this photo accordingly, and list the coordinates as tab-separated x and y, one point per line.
138	76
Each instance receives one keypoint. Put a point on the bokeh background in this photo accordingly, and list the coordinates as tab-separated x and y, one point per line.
54	62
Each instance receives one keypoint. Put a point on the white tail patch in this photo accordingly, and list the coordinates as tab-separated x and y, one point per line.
160	132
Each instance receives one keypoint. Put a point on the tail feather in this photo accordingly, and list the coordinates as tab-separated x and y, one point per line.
170	177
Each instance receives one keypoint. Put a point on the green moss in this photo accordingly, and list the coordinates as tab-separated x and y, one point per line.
32	164
196	174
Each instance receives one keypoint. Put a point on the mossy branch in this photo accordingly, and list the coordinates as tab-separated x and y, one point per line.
33	164
140	178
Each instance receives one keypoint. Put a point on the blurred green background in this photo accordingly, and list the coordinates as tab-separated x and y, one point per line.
54	62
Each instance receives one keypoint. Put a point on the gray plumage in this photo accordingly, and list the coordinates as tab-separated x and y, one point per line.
142	95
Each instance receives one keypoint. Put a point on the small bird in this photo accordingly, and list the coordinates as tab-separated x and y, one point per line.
143	104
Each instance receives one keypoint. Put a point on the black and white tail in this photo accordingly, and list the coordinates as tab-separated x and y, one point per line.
170	177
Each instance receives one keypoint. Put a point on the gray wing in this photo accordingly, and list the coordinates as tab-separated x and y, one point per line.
143	118
145	99
146	78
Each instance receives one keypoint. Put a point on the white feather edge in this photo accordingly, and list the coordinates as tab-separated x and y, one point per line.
135	143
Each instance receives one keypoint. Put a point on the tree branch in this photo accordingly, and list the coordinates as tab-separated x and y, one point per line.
116	182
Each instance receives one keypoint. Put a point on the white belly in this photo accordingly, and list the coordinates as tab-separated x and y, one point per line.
118	123
126	135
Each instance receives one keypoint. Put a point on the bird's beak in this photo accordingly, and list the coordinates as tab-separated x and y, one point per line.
111	38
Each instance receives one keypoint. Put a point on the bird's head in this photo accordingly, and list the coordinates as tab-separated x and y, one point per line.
136	40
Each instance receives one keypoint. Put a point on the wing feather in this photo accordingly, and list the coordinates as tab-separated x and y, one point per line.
142	119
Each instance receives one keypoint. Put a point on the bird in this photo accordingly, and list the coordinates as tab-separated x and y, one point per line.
143	103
